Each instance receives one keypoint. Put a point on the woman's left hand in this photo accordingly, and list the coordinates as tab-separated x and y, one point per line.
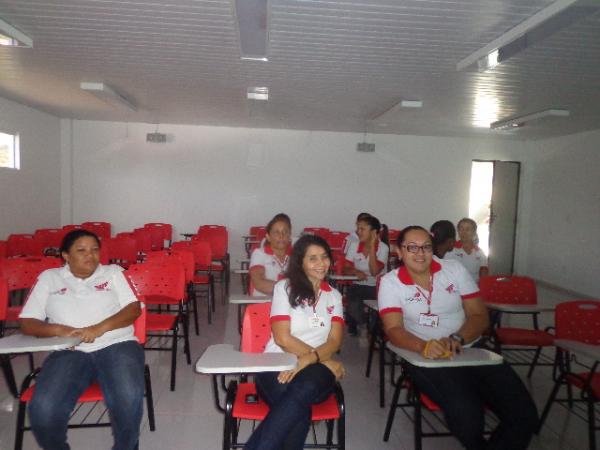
288	375
87	334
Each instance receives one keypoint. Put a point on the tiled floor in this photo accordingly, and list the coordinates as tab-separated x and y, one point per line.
187	419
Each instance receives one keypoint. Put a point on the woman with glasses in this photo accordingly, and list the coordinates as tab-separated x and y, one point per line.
433	307
269	262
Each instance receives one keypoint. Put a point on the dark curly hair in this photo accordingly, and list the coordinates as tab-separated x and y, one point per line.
299	287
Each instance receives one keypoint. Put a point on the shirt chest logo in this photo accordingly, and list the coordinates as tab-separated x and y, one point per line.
61	291
416	298
451	289
330	310
102	286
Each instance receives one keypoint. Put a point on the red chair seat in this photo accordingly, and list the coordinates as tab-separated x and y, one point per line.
594	385
201	279
160	322
257	411
91	394
429	404
160	300
521	336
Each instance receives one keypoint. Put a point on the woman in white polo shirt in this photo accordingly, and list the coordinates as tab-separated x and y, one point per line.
466	250
432	307
96	304
307	320
365	258
269	261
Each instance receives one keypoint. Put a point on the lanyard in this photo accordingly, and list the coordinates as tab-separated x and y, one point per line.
281	264
427	296
314	307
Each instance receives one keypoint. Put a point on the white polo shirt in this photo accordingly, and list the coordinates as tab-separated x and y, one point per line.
352	237
451	285
360	262
274	269
64	299
328	309
472	262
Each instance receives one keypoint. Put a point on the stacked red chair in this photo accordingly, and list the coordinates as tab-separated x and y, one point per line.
20	245
217	237
100	229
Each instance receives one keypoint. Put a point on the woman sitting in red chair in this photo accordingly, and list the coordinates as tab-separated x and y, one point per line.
432	306
95	303
269	262
306	320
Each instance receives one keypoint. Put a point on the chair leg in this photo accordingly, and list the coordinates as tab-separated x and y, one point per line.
174	354
186	336
370	355
381	374
9	375
534	361
551	399
20	425
194	302
591	422
31	362
212	290
417	424
149	398
393	406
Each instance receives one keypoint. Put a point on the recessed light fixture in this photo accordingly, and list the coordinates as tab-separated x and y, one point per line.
107	94
538	27
11	37
258	93
384	118
520	121
253	28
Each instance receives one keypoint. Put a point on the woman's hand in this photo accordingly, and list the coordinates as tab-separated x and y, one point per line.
361	275
288	375
87	334
439	348
336	367
373	238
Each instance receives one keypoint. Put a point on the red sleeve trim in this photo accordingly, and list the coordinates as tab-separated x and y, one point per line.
347	262
470	296
279	318
338	319
390	310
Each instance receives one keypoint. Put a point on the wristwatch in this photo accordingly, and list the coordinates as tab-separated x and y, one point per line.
457	337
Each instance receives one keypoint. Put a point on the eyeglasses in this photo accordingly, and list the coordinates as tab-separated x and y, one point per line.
413	248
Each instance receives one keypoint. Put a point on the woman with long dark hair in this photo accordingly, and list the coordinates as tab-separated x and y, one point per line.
306	320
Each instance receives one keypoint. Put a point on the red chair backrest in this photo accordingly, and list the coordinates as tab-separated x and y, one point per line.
139	326
317	231
100	229
258	232
122	249
3	299
336	239
578	320
166	281
3	249
217	236
183	257
22	273
20	245
48	238
256	328
166	229
202	251
505	289
393	236
71	227
143	237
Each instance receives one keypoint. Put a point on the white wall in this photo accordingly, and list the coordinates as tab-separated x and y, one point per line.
242	177
564	237
30	197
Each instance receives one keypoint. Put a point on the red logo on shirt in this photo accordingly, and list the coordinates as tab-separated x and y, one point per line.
417	294
62	291
102	287
451	289
330	310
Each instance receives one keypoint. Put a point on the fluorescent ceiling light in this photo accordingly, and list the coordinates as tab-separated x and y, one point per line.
519	121
252	20
538	27
107	94
11	37
258	93
393	111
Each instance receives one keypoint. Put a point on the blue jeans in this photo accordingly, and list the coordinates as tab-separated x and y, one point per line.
462	393
118	369
289	418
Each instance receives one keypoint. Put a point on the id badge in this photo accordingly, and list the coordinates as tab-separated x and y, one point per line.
315	322
429	320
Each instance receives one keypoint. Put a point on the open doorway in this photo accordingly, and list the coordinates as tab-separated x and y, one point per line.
493	205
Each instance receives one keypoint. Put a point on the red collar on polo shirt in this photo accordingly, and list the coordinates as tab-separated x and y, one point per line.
404	275
325	286
361	246
459	244
269	251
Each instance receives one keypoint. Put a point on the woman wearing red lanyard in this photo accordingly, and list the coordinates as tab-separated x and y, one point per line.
432	306
306	319
268	263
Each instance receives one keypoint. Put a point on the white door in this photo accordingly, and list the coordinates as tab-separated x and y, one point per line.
503	216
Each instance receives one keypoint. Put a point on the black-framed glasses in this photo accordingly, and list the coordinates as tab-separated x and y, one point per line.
414	248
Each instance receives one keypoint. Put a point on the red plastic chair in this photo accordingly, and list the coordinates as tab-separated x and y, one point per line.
166	234
515	290
91	395
336	240
121	250
317	231
7	370
256	332
100	229
143	237
202	257
577	320
258	233
48	240
3	249
163	285
71	227
216	236
20	245
21	274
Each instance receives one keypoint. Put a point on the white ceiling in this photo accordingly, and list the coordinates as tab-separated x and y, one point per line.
333	65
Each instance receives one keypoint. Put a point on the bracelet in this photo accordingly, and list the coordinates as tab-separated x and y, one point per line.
426	349
316	354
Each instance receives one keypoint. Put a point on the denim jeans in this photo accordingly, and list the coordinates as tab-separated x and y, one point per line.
289	418
118	369
355	310
462	393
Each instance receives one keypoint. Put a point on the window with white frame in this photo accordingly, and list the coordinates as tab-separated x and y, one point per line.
9	151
